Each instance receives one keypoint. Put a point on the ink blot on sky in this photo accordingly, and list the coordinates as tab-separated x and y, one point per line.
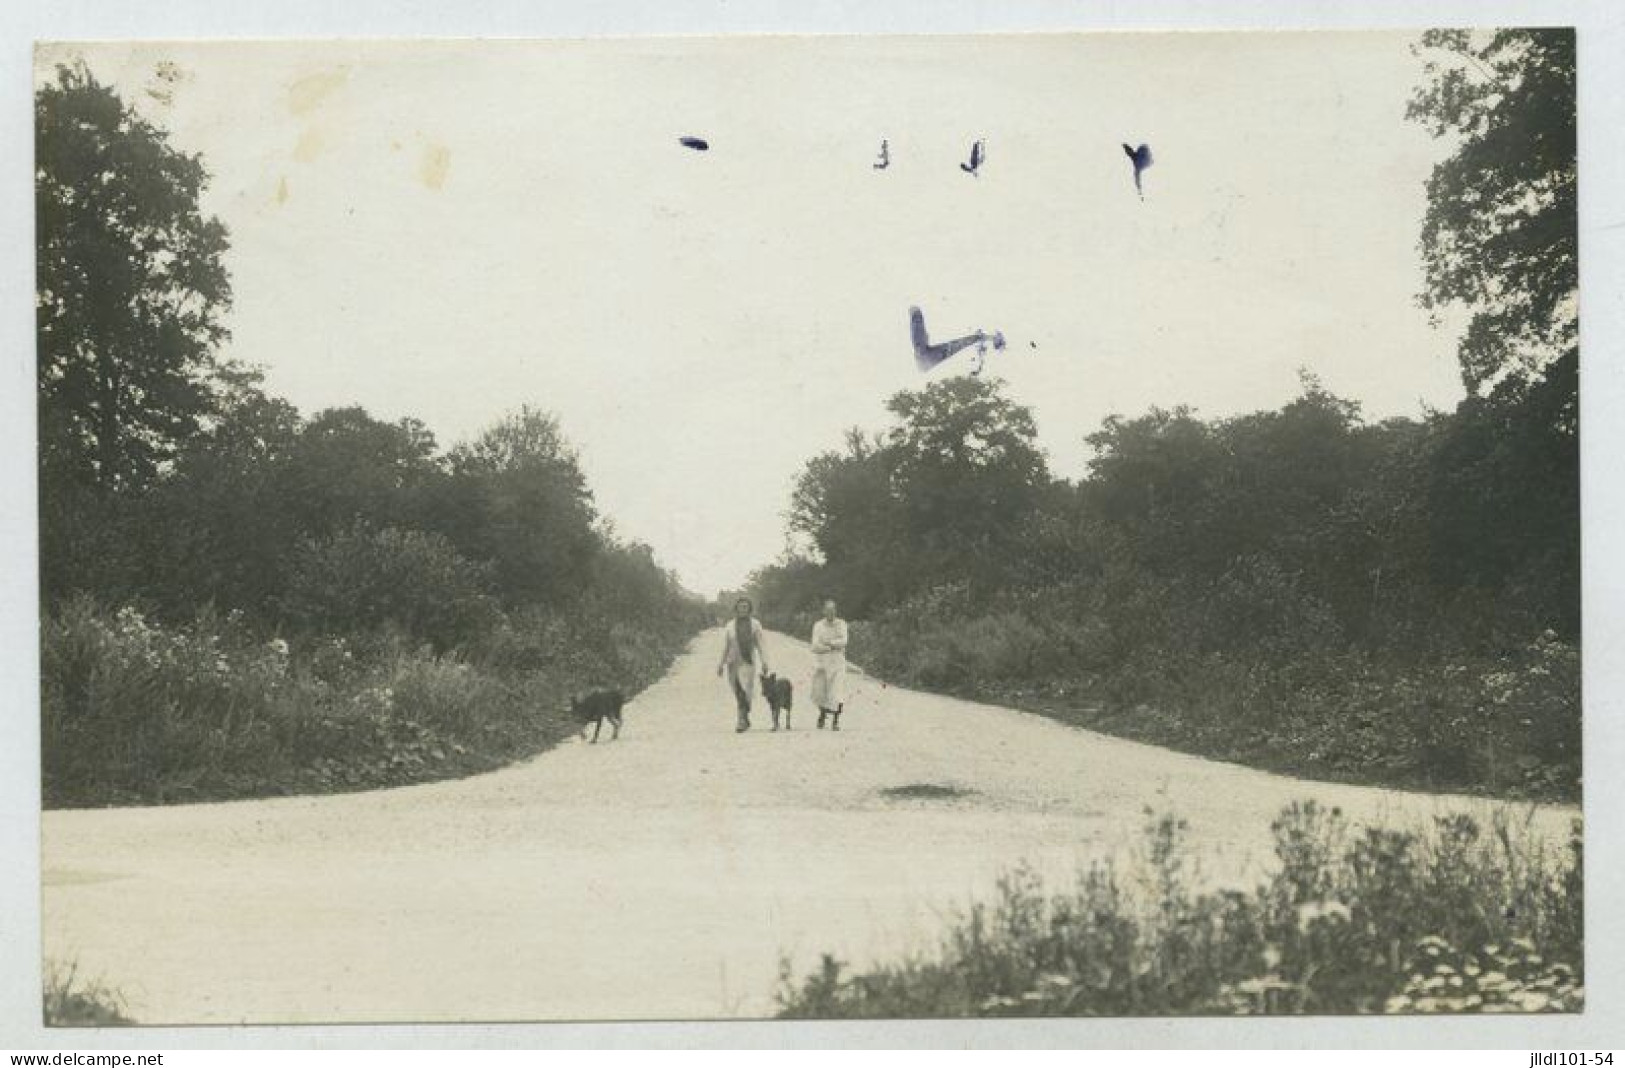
1141	158
927	355
978	153
698	144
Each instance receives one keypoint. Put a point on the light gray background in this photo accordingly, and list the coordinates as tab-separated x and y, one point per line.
1602	35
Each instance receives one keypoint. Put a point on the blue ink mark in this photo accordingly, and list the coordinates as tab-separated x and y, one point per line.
1141	158
978	153
698	144
885	155
981	349
927	355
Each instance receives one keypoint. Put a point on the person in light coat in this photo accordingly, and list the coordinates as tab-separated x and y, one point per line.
743	655
829	670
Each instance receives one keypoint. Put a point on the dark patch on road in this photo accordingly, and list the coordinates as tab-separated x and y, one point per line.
926	791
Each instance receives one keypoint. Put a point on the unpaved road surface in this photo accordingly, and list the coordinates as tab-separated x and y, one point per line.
662	876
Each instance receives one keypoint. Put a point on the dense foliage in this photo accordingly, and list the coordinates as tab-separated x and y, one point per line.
1295	588
1464	919
1501	237
241	600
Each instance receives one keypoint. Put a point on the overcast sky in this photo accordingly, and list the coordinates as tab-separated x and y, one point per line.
451	230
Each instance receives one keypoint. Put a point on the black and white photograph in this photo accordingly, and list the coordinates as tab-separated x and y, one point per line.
746	527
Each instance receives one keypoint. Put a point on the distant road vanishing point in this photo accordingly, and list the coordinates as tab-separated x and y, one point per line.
661	876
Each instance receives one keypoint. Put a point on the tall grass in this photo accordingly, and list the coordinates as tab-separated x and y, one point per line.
1464	919
137	712
71	1000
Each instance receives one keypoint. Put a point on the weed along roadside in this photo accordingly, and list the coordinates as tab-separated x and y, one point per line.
1462	918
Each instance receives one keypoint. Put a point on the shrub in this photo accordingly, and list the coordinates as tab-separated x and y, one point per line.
134	711
1507	725
73	1001
364	577
1347	922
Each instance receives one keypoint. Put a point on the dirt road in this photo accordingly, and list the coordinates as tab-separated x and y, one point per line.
661	876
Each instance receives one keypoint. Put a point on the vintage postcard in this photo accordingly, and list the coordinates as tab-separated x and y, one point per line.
1051	524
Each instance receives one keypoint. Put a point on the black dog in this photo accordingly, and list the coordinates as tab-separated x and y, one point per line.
596	707
779	693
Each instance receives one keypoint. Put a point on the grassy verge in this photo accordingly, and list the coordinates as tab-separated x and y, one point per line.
1464	919
138	713
1506	726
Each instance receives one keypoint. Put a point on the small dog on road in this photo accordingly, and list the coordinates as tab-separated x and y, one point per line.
779	693
596	707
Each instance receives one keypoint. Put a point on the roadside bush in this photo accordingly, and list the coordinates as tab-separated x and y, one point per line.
1349	921
1506	725
365	577
132	710
137	712
70	1000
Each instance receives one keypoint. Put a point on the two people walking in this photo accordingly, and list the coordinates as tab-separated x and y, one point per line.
744	657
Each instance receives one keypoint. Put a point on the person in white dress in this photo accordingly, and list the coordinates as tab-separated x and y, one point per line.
829	670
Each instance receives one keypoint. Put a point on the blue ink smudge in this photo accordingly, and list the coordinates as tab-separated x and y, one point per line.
1141	158
698	144
927	355
978	153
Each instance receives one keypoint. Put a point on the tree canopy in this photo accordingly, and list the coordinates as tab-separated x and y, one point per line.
131	286
1500	238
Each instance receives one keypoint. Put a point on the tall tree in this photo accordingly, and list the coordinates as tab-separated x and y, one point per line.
345	464
517	497
843	502
1501	235
130	287
967	459
1501	240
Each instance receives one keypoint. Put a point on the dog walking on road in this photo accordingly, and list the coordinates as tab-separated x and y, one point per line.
780	693
593	709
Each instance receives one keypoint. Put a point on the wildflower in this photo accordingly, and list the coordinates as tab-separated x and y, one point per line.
1532	1001
278	646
